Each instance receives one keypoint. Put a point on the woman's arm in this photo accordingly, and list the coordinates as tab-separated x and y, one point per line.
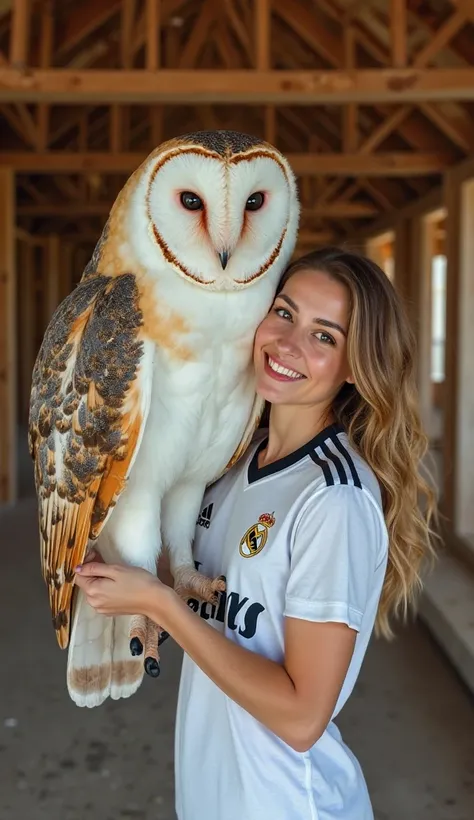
295	700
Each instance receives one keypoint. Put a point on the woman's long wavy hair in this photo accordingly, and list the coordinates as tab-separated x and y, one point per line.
381	417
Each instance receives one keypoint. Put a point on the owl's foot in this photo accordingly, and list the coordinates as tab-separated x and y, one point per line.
145	637
189	582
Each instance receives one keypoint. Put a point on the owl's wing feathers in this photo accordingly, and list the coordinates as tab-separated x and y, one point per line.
252	424
89	403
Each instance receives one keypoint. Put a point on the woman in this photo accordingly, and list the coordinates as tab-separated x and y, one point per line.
318	532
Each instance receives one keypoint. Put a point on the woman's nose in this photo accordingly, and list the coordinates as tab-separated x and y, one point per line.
288	343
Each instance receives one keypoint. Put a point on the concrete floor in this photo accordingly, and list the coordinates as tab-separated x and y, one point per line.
410	721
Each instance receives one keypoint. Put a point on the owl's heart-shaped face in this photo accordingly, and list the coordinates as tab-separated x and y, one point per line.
222	222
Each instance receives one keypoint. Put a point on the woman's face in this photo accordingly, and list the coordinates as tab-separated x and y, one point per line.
300	349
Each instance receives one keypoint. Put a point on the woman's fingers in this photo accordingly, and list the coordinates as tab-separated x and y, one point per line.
96	569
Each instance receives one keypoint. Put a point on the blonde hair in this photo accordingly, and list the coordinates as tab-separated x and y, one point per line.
381	418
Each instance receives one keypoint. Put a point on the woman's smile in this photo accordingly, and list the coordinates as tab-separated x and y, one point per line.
277	370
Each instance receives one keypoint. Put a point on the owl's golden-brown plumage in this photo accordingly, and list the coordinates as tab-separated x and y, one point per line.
134	328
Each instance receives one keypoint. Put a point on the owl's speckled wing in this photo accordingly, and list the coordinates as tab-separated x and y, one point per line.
89	403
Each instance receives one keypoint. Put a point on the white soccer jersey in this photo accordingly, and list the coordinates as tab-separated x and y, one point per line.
303	537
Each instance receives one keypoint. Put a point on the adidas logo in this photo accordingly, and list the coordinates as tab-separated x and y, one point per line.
204	519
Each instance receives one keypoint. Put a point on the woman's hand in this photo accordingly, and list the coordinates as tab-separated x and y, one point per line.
112	589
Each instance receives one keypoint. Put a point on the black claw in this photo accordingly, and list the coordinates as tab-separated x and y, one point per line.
152	667
136	646
163	637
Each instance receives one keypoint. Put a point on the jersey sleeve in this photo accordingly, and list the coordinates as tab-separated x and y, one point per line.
339	540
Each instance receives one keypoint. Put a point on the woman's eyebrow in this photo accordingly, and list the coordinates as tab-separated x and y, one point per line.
328	323
325	322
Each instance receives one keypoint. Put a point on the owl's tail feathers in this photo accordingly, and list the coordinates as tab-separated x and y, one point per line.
99	662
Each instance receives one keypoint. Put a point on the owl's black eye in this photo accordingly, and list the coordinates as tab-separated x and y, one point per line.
255	201
192	202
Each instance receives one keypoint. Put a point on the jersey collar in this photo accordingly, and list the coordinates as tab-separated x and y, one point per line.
255	472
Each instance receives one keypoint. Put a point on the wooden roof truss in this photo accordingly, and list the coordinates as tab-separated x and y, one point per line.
370	99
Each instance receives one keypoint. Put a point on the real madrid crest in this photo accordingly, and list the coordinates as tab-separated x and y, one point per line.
256	536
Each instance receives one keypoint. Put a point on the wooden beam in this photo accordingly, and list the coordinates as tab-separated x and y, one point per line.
440	38
398	32
331	210
315	238
52	272
126	33
20	32
46	50
349	123
8	336
452	199
153	34
457	125
385	129
27	306
401	164
239	29
175	87
263	10
81	21
298	16
199	34
341	210
262	34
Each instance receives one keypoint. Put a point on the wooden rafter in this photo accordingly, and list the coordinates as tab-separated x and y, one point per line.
398	32
340	209
200	32
153	30
20	30
366	86
442	37
388	164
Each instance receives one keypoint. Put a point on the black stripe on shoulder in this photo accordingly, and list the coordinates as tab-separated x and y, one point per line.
337	463
345	452
324	467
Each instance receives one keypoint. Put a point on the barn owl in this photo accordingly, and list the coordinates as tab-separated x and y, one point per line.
143	390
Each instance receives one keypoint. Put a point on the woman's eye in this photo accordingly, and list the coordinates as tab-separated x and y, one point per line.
283	312
324	337
191	201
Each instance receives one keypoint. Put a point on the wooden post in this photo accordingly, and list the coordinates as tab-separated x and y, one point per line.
52	276
463	507
66	261
402	259
450	410
349	111
153	34
27	317
424	344
46	47
398	32
8	352
20	30
263	15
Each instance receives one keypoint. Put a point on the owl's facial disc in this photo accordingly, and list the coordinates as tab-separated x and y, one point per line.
220	223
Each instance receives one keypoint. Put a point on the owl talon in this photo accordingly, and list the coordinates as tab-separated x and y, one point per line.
136	646
163	637
152	667
189	582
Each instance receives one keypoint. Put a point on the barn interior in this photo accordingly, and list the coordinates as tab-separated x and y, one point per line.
372	102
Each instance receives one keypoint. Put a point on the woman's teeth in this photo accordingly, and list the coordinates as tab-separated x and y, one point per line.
278	368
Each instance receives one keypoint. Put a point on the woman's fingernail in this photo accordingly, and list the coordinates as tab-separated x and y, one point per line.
78	568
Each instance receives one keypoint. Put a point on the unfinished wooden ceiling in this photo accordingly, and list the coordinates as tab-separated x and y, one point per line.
370	99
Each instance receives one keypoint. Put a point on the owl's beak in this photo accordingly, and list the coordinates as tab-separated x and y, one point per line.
224	257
